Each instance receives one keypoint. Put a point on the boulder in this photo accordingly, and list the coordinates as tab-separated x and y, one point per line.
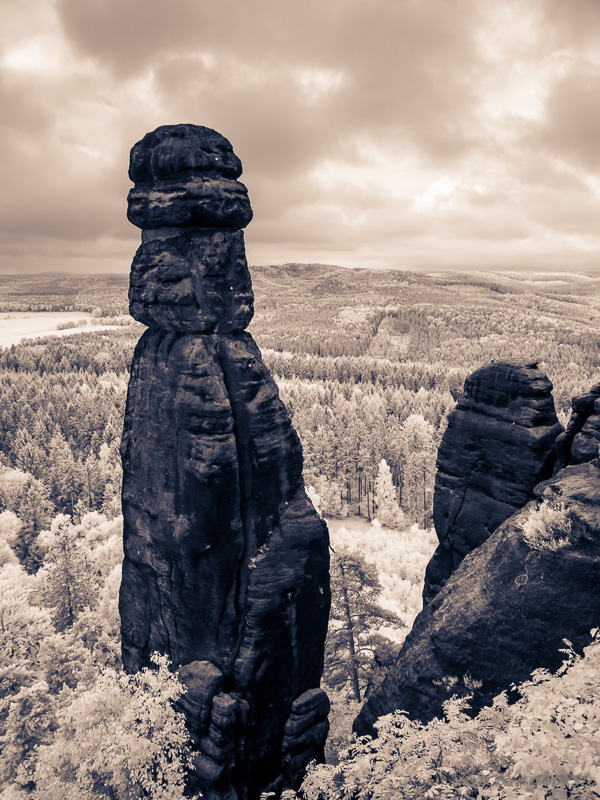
305	734
506	608
185	176
195	202
202	681
498	445
174	152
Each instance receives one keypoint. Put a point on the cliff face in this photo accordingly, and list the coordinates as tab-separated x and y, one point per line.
497	602
226	564
498	445
505	609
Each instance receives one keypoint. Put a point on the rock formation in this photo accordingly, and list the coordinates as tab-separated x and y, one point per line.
226	564
498	445
581	440
505	609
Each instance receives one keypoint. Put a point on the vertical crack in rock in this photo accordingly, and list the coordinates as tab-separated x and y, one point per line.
226	565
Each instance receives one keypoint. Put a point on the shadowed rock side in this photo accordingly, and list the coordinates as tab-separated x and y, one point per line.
580	442
498	445
504	611
193	281
226	564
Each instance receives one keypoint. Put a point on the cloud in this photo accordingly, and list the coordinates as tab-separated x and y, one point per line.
571	129
416	132
401	68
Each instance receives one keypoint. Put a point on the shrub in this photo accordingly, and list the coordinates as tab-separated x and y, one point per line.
543	746
549	526
120	738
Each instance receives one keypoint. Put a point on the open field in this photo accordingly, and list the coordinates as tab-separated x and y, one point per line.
16	326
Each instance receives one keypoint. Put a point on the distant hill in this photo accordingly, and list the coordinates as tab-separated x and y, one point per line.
64	291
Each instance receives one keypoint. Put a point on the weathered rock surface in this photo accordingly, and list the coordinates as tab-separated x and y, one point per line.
580	442
173	152
184	176
226	564
197	202
498	445
504	611
305	733
193	282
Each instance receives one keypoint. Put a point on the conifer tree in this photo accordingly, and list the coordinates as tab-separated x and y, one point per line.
388	511
355	652
418	468
69	580
28	498
64	475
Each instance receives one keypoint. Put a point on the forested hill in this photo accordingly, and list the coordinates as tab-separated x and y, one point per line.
368	362
458	319
64	291
328	310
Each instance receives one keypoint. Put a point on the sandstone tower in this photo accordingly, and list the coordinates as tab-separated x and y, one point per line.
497	605
226	564
499	443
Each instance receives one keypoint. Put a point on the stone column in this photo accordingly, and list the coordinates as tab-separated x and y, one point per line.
226	565
498	445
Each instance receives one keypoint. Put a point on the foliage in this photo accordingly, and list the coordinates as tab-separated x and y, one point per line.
549	526
68	580
61	416
24	626
543	746
364	360
30	721
418	450
399	558
355	654
71	722
120	737
386	498
40	644
28	498
53	291
369	365
325	496
347	430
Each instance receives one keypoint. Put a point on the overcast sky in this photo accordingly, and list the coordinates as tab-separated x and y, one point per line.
389	133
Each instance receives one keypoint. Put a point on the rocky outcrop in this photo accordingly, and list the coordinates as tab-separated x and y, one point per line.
506	609
305	733
226	564
581	440
498	445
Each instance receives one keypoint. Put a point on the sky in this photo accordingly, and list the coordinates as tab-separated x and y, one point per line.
412	134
